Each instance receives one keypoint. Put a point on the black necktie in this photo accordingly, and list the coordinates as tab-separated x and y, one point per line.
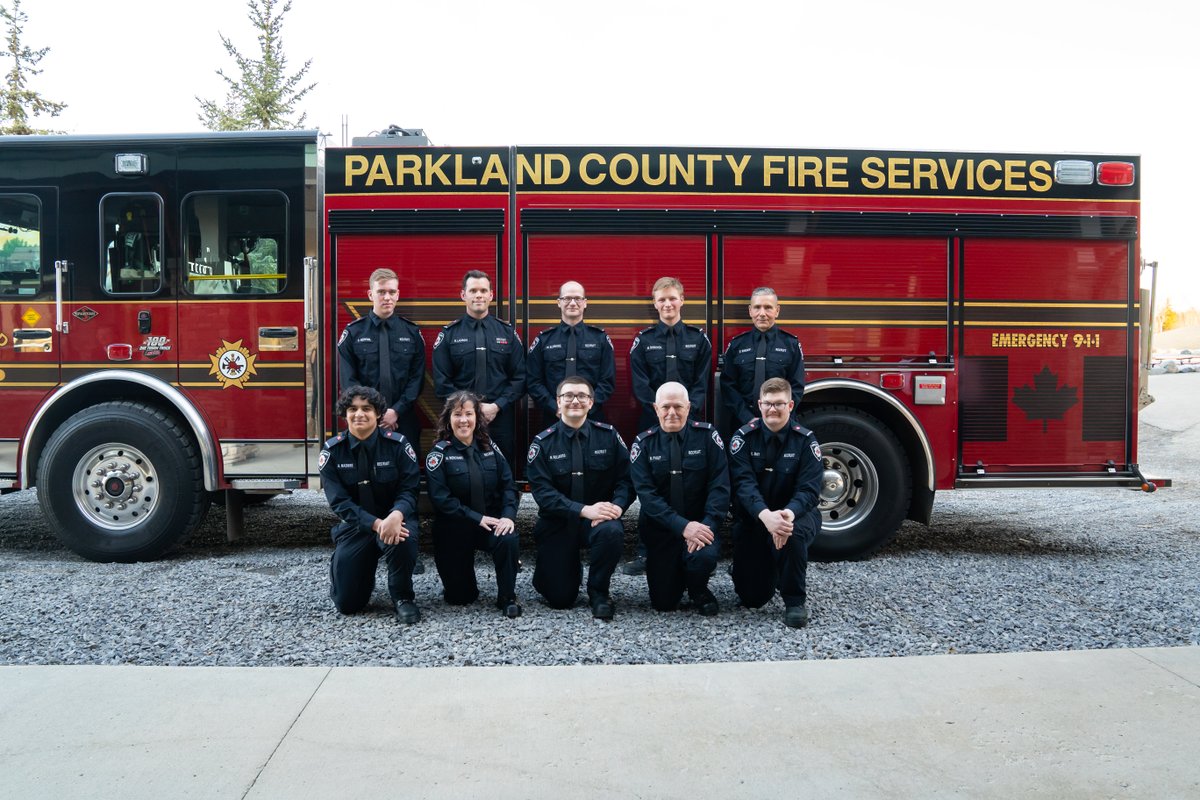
672	358
571	371
577	467
771	452
362	461
676	472
478	502
480	383
385	362
760	364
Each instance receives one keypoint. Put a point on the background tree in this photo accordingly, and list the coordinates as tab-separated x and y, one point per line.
17	101
264	97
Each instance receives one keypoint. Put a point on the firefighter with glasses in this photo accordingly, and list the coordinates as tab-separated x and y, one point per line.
579	472
776	469
570	349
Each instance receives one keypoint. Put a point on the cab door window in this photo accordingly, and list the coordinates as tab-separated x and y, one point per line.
20	245
131	243
235	243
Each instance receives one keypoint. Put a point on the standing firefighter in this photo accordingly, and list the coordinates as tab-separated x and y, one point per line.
571	348
385	351
481	354
752	357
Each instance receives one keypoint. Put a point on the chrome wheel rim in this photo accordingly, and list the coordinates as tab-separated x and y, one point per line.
116	487
849	487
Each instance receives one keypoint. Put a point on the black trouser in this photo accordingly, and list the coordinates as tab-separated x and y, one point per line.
556	576
503	432
355	557
670	568
411	428
759	569
455	541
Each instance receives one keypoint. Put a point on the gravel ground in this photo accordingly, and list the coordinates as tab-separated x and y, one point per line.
995	572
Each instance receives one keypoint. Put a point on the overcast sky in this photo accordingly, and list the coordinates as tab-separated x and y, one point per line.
1046	76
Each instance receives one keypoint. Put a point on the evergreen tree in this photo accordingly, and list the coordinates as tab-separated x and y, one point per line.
17	101
264	97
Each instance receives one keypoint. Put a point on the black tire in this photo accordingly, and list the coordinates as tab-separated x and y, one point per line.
867	487
121	481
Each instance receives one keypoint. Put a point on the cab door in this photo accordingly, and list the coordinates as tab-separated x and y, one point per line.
246	225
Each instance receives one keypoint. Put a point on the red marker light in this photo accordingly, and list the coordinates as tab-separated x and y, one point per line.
119	352
892	381
1114	173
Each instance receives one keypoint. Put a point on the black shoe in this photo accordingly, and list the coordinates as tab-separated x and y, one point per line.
419	567
706	605
634	566
796	616
407	612
509	608
602	606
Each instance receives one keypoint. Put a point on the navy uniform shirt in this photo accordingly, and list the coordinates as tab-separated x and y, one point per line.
790	477
393	474
454	360
648	362
358	358
547	364
784	359
605	468
705	477
448	479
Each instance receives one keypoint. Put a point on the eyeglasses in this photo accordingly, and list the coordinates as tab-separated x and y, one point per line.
573	298
574	397
777	405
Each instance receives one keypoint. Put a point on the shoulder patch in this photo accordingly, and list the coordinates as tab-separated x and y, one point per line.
636	341
322	459
441	335
736	442
412	454
816	451
534	449
345	333
716	437
636	450
433	460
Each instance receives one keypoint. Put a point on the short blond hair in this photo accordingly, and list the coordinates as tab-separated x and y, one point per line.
667	283
382	274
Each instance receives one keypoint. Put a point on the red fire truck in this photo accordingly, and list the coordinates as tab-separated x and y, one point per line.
169	305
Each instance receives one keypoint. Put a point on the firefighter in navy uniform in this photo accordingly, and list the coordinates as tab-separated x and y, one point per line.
571	348
776	469
752	357
579	472
475	502
484	355
363	350
669	350
371	479
681	478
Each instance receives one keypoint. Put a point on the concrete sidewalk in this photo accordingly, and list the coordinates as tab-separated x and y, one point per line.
1119	723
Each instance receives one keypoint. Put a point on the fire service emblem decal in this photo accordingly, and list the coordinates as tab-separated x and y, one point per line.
232	364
